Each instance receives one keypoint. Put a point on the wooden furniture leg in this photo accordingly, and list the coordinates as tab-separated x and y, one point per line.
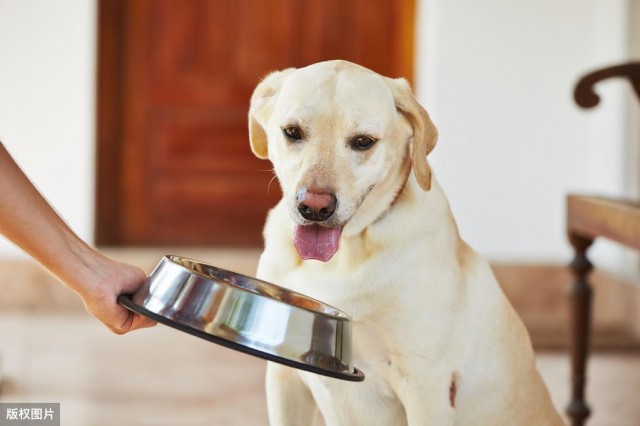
589	217
580	301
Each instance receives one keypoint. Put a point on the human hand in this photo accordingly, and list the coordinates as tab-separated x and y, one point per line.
107	279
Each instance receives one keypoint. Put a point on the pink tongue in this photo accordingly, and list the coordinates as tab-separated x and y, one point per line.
316	242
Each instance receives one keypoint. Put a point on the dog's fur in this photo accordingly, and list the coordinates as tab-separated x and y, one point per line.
437	339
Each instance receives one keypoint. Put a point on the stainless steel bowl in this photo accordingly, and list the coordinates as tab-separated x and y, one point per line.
248	315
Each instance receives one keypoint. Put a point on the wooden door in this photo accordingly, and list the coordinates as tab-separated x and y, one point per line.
175	78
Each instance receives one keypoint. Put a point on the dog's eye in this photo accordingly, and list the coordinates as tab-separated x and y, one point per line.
362	143
293	133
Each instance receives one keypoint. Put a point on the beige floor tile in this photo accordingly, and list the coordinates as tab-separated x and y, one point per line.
612	391
155	377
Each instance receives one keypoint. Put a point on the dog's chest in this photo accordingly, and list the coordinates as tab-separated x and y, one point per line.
376	344
363	290
388	327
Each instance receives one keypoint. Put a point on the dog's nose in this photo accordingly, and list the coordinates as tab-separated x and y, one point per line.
315	205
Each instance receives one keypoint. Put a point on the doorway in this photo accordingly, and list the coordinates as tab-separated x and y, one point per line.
174	83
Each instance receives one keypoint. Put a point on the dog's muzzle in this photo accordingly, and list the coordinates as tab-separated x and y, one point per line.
316	240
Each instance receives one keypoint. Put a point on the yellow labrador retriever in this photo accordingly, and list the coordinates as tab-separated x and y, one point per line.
364	226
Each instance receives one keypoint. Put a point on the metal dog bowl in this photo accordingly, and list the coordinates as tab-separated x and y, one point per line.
248	315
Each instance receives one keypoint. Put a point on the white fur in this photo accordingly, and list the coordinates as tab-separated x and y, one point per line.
426	308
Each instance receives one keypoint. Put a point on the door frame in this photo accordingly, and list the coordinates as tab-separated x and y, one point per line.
109	121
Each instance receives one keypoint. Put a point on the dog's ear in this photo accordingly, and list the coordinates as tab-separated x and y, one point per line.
425	133
262	104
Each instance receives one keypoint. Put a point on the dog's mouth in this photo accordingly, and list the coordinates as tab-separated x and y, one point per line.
316	242
321	242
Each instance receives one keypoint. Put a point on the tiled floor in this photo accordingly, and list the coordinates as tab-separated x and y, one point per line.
163	377
150	377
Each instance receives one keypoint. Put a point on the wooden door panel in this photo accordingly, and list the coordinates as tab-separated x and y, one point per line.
212	204
212	51
201	141
175	79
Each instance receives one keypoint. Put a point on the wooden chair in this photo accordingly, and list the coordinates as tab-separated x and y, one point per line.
589	218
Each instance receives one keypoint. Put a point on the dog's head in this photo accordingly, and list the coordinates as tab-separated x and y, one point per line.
342	140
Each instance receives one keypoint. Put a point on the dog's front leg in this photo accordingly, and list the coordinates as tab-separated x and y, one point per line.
429	412
431	403
289	401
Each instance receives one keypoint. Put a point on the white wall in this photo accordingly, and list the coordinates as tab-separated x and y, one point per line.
47	99
497	77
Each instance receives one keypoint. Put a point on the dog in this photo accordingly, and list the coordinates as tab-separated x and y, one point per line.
364	226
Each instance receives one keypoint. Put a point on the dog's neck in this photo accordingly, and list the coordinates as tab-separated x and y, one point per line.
407	217
381	198
401	192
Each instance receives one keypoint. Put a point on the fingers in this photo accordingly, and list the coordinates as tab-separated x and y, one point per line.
120	320
140	321
120	329
133	322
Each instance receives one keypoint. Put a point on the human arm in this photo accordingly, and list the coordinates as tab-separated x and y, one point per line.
30	222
